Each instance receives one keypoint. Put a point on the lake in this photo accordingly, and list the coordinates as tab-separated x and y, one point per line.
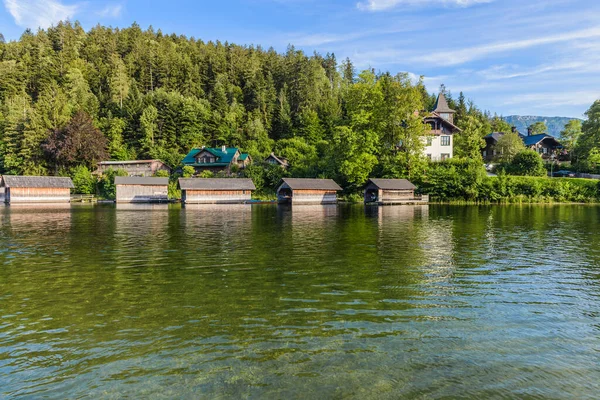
276	302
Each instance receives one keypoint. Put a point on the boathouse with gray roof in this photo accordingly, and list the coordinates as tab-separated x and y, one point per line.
392	191
307	191
141	189
216	190
35	189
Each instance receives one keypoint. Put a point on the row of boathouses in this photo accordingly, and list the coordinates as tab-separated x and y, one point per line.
37	189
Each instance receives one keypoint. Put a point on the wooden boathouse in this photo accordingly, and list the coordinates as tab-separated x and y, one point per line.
134	167
216	190
141	189
35	189
392	191
307	191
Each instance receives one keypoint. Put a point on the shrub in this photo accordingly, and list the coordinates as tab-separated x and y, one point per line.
206	174
83	180
527	163
188	171
106	185
162	174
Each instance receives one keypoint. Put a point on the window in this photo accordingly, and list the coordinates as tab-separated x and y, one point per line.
484	153
429	156
445	140
445	156
429	140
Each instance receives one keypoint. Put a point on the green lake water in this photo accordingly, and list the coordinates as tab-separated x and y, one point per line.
306	302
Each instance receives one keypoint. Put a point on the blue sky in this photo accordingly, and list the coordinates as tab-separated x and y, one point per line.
527	57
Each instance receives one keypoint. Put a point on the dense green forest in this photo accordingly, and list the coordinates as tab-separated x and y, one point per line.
69	98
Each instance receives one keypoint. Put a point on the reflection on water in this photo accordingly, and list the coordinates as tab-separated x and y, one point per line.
309	301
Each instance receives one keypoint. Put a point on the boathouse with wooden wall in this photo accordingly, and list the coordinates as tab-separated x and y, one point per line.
392	191
216	190
141	189
35	189
307	191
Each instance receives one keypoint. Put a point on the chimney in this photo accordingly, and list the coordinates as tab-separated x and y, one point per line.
529	131
223	148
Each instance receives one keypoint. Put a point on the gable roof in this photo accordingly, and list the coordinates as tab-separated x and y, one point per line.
307	183
224	158
279	160
494	135
527	140
129	162
393	184
435	115
441	105
243	156
142	181
535	139
59	182
216	184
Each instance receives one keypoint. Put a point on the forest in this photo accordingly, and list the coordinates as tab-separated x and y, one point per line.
70	98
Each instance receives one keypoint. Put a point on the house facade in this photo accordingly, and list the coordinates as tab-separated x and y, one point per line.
543	144
439	143
134	167
222	159
276	160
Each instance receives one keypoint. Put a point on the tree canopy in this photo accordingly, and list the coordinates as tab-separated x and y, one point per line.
133	93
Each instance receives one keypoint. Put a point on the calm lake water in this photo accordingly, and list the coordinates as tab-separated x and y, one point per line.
311	302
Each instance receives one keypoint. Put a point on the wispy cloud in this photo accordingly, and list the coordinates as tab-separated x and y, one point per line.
545	100
40	13
461	56
381	5
111	10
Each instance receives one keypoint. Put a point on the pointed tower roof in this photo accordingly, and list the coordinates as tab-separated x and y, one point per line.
441	105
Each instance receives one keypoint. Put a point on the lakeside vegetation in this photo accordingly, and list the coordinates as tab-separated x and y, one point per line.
70	98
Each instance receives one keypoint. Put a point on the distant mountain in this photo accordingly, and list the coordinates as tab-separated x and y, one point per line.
554	124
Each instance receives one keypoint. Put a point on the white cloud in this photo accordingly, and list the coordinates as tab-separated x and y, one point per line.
111	10
461	56
380	5
40	13
546	100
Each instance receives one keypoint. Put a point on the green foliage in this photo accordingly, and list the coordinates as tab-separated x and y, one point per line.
206	174
83	180
174	191
466	180
188	171
106	184
469	142
588	145
526	163
162	174
570	135
509	145
537	128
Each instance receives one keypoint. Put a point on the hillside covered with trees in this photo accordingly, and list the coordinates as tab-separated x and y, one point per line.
70	98
554	124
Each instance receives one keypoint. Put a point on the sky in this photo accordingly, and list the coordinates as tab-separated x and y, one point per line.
524	57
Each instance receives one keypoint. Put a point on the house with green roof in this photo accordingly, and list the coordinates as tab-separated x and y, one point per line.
217	159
